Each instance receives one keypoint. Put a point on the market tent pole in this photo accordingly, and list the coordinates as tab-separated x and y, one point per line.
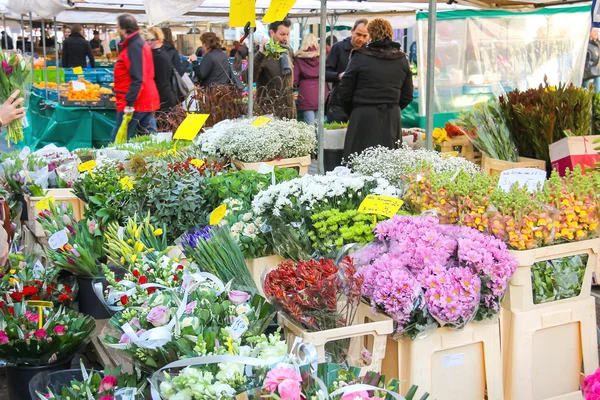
194	31
251	74
5	32
432	17
23	34
321	127
31	48
56	53
44	48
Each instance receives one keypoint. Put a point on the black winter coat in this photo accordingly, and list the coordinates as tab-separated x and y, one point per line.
174	57
213	69
75	49
376	85
163	70
592	61
337	61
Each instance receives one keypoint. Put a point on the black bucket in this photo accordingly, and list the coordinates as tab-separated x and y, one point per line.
332	159
18	378
89	303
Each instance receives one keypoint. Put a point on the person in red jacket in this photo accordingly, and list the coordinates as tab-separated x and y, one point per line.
135	88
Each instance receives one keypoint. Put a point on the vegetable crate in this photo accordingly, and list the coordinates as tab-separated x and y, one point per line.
299	163
520	292
493	167
257	267
450	364
365	333
60	196
467	150
543	350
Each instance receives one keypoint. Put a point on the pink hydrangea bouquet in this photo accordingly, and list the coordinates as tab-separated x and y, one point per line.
591	386
453	273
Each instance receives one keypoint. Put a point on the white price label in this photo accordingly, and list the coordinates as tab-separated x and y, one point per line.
237	329
121	233
265	168
24	153
78	86
530	177
38	270
454	360
58	240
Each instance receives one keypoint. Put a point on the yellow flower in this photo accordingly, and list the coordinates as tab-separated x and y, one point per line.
593	226
12	271
139	247
133	258
541	221
129	241
580	233
158	232
230	345
538	234
126	183
197	163
122	260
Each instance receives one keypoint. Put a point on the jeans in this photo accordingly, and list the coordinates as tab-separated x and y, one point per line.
141	123
595	81
310	117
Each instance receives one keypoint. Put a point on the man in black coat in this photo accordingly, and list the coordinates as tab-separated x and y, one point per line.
75	49
337	61
96	42
6	39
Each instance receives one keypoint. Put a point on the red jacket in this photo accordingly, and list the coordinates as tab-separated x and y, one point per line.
134	76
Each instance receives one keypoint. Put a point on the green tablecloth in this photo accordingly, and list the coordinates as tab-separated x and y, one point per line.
71	127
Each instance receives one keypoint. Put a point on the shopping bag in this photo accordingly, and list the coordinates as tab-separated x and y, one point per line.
122	133
572	151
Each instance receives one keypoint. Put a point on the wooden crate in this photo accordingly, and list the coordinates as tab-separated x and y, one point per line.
301	164
60	196
467	150
519	294
107	356
493	166
543	350
449	364
257	267
370	336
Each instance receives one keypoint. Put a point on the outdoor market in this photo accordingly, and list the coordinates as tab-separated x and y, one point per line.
299	200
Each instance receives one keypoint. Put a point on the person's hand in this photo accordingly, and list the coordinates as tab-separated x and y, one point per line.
340	76
263	42
10	110
193	58
129	110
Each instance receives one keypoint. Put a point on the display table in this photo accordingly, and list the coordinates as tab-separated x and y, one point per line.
71	127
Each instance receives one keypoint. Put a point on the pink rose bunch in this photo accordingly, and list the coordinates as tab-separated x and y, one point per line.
591	386
360	395
108	382
286	382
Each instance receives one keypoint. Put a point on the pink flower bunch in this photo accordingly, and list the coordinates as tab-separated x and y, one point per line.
591	386
451	295
285	381
360	395
391	286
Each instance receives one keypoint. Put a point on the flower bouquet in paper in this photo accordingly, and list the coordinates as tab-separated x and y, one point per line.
28	338
14	72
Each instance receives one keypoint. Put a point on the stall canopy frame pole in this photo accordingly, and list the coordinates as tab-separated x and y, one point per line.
56	53
44	48
321	126
332	24
31	44
5	32
194	30
251	74
23	35
432	18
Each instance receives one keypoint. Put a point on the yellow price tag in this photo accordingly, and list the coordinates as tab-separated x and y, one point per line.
380	205
217	215
197	163
450	154
40	305
278	10
87	166
78	71
241	12
260	121
44	203
190	127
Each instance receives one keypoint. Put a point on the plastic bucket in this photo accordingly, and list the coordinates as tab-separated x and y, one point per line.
89	303
18	378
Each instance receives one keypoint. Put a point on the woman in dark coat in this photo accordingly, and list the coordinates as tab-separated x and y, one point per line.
75	49
163	69
306	78
214	69
169	46
376	86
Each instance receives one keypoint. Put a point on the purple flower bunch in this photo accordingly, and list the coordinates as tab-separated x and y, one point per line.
460	272
192	238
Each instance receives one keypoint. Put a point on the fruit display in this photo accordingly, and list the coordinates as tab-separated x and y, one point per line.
92	91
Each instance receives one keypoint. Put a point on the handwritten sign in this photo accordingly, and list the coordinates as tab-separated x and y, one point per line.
24	153
380	205
78	71
260	121
58	240
190	127
278	10
237	329
87	166
241	12
530	177
265	168
44	203
217	215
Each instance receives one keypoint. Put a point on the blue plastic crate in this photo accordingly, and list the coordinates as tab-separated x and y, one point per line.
88	74
104	75
52	94
39	91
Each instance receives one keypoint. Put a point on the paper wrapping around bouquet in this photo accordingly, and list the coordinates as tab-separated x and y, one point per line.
572	151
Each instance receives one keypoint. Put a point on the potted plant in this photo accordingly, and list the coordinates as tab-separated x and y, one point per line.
31	342
333	144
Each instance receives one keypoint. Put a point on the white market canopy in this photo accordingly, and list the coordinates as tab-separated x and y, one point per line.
401	14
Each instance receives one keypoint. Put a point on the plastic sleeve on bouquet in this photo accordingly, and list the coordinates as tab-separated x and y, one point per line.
558	279
290	240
